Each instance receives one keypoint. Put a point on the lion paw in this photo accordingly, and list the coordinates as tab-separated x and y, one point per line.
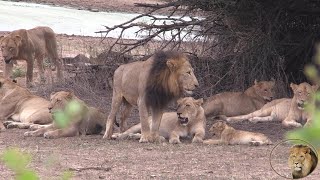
11	126
107	135
174	141
6	123
255	143
115	135
34	127
197	140
28	134
48	135
154	138
253	120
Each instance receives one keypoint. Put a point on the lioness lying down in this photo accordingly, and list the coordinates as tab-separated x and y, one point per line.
19	108
188	120
89	121
230	136
289	111
239	103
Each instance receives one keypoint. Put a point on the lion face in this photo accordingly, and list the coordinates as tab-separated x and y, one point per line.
188	110
217	128
10	47
59	100
300	160
186	78
265	89
302	93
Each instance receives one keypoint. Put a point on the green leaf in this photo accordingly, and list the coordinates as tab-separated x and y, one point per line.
15	159
311	71
67	175
61	119
73	108
27	175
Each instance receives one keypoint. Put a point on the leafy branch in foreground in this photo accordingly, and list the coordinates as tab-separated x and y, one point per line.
18	162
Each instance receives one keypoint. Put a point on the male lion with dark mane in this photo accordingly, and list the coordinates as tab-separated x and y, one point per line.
288	111
88	120
28	45
20	106
302	161
151	85
188	120
238	103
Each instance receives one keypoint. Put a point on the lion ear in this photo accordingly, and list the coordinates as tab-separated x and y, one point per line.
293	86
1	37
199	102
255	82
308	150
52	94
315	87
179	101
273	81
171	65
71	94
17	39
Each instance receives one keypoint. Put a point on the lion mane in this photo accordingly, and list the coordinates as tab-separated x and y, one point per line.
162	85
302	161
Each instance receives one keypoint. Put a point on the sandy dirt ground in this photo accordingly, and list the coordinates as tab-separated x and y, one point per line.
91	157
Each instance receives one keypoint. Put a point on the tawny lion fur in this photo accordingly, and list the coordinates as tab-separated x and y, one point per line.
19	108
239	103
288	111
188	120
89	121
230	136
151	85
302	161
29	45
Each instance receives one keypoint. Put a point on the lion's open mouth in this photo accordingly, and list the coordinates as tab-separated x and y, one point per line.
190	92
268	99
7	61
300	105
183	120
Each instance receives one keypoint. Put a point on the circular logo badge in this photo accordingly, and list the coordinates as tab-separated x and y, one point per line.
293	158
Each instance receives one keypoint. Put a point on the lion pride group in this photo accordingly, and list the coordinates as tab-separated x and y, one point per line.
150	85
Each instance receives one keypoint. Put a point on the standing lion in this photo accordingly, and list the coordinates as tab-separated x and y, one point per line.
151	85
28	45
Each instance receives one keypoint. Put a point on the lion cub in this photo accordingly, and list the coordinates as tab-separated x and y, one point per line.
289	111
238	103
89	121
188	120
230	136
